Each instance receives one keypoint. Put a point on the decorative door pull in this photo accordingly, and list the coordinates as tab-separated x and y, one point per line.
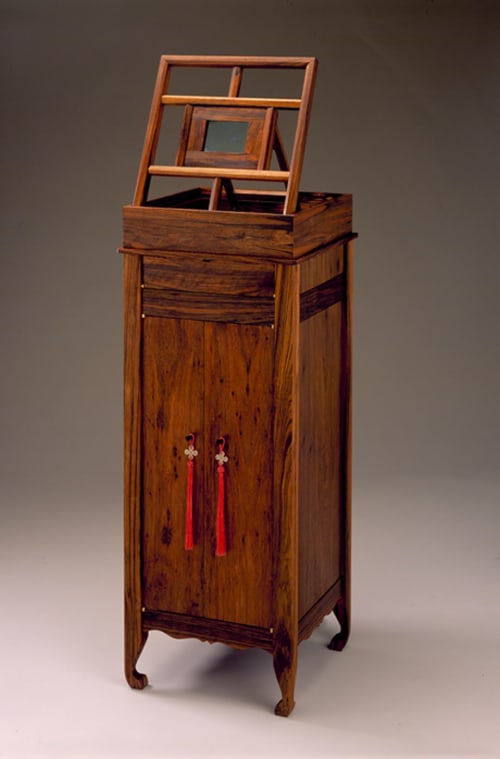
191	453
221	458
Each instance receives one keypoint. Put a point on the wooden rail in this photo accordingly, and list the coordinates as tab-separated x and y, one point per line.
214	172
293	103
245	61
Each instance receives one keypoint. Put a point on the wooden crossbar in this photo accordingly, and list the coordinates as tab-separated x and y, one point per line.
245	61
293	103
215	171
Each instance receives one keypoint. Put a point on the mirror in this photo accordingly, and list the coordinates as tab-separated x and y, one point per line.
226	136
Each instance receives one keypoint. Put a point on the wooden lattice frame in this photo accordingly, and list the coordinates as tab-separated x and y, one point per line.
290	175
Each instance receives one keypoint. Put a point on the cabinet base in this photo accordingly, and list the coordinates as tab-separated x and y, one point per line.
280	643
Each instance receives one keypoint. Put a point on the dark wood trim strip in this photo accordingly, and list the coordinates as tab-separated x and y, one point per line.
321	608
207	306
235	256
231	633
323	296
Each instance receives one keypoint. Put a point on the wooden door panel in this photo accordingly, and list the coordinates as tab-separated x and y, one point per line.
211	379
239	377
172	407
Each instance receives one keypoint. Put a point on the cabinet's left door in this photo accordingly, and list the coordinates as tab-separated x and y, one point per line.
172	408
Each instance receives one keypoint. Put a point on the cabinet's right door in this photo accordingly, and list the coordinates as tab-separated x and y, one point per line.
239	392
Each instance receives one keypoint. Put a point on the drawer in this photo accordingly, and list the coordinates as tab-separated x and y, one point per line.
221	275
208	288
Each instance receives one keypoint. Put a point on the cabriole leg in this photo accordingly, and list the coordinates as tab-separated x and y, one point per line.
285	667
339	640
133	649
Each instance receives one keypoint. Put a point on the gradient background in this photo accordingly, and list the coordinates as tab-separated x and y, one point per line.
405	117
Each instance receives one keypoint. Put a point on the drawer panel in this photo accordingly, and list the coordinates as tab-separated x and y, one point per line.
209	274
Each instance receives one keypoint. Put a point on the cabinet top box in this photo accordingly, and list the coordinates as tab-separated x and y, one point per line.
164	225
235	141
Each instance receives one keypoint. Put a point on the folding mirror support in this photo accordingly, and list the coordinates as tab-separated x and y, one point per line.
237	383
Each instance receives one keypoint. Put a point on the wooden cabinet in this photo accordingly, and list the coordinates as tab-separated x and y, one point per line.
237	343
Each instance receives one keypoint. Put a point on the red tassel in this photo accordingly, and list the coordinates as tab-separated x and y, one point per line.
189	508
220	549
190	453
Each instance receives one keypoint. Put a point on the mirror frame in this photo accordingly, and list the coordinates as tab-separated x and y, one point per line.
258	145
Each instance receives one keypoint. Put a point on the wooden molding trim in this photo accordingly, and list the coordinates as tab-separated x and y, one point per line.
208	306
323	296
181	625
321	608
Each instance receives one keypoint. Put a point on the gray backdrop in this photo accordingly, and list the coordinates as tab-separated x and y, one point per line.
405	117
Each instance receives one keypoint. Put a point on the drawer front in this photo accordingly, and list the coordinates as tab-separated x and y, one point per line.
209	274
208	288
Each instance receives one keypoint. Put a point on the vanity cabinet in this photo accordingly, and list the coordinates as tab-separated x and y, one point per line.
237	420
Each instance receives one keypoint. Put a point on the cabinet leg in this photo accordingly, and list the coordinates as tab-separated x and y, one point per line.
133	650
339	640
285	667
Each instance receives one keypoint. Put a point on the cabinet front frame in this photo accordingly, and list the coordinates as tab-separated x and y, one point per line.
224	328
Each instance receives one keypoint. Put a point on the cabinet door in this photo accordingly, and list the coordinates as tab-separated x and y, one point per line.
172	407
210	379
239	393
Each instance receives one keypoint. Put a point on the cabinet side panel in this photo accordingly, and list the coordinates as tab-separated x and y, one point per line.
321	441
172	369
321	267
239	390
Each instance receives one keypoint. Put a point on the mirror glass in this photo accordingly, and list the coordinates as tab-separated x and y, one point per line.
226	136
